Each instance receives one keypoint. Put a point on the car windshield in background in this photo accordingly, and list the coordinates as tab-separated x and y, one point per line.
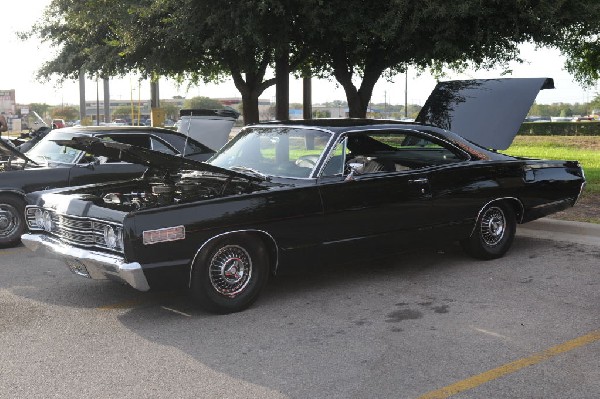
47	150
274	151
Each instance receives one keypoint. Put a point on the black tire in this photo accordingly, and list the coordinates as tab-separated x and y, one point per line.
494	232
12	220
229	275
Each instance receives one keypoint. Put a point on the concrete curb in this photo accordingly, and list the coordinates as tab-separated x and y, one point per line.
561	230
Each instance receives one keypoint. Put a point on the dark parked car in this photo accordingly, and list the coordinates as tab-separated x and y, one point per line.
284	195
50	165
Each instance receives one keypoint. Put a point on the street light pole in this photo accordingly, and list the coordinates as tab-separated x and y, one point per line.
406	93
97	103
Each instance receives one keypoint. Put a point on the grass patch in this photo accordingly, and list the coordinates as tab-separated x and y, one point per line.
585	149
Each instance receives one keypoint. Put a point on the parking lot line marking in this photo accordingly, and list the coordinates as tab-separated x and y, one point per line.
512	367
493	334
176	311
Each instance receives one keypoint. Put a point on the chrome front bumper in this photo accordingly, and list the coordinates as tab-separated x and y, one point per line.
91	264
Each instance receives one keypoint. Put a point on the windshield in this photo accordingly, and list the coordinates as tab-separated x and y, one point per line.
274	151
48	151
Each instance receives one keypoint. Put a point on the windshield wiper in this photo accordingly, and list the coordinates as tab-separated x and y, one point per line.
250	171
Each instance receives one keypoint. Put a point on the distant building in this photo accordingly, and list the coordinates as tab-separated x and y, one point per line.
92	108
7	102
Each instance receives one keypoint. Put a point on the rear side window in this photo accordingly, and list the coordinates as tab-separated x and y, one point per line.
159	146
390	151
184	144
139	140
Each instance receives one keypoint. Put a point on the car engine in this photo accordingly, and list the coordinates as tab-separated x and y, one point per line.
151	194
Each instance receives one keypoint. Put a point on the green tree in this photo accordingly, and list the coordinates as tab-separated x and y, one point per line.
68	113
321	114
87	36
352	41
202	102
124	112
171	110
365	43
595	104
565	112
190	40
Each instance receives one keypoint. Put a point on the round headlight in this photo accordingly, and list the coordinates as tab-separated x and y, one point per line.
39	218
110	238
47	221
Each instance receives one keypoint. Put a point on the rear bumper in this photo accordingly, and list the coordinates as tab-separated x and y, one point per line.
91	264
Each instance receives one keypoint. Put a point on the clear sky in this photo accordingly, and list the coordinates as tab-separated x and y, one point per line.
20	61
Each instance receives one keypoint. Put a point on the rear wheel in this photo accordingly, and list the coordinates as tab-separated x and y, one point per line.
494	232
12	220
228	276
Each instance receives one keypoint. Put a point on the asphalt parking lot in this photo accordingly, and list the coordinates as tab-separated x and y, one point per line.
429	324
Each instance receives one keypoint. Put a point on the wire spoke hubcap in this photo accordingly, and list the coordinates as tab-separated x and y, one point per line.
493	226
230	270
9	220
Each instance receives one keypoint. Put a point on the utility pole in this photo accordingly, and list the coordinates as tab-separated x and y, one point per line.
82	113
107	117
97	103
406	93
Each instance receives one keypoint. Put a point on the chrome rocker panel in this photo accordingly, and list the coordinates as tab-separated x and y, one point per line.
96	265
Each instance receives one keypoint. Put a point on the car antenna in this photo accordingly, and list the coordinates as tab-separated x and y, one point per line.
187	132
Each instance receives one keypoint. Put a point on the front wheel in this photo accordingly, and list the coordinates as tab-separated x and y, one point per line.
228	276
12	220
494	232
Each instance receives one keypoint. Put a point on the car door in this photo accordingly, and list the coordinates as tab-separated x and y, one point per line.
377	207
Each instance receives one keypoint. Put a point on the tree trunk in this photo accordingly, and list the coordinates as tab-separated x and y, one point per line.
282	87
250	89
356	107
307	97
250	108
358	99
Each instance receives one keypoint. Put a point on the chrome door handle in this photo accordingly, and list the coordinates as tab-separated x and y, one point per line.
421	180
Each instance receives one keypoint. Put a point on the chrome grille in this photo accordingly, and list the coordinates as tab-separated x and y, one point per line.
78	231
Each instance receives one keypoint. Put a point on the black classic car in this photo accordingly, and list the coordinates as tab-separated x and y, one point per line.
49	165
285	194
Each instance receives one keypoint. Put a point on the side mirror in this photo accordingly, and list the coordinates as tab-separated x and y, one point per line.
355	170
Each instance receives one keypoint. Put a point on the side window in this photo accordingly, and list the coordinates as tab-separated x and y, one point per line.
396	151
335	164
140	140
158	145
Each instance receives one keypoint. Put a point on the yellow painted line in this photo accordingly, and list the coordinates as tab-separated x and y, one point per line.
11	251
508	368
132	303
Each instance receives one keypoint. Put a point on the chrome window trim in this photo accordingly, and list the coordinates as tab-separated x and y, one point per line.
344	135
326	150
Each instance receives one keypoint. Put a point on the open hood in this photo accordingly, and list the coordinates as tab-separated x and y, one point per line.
142	156
488	112
8	150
